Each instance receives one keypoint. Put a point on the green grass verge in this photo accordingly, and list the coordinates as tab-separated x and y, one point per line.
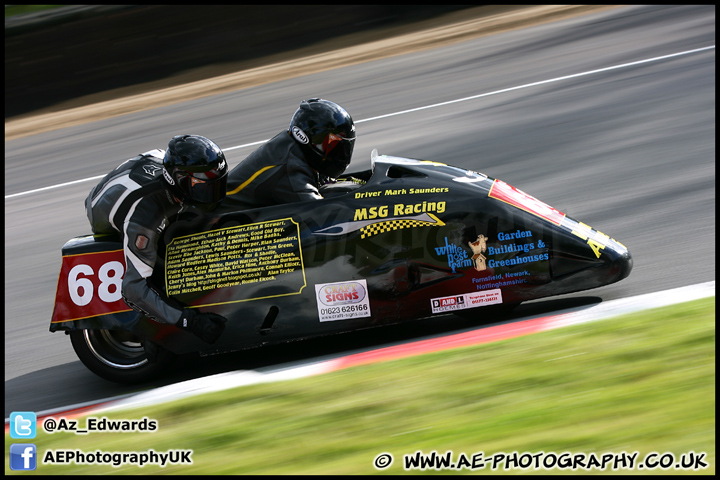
639	383
11	10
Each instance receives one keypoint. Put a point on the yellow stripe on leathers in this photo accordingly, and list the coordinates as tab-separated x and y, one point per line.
249	180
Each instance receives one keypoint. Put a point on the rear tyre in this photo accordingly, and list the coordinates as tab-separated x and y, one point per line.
118	356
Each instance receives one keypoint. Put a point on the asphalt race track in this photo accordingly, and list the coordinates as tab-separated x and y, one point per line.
614	125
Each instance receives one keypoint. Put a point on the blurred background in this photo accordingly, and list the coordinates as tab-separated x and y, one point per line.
628	149
59	56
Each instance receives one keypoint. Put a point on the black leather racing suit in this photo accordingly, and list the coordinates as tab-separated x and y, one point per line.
134	200
273	174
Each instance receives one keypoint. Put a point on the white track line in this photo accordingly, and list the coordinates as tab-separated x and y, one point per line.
435	105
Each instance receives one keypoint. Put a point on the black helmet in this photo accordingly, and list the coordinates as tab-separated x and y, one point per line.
326	134
196	169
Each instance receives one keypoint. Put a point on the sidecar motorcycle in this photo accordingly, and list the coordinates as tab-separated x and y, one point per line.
405	240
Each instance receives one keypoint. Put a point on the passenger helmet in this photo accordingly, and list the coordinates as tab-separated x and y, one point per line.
325	133
196	169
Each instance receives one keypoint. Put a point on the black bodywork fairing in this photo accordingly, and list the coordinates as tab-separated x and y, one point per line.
417	239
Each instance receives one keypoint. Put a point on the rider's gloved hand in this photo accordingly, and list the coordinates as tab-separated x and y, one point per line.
208	326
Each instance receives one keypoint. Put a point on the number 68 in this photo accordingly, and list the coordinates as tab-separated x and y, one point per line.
109	274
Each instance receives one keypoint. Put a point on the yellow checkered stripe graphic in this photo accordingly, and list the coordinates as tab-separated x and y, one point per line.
391	225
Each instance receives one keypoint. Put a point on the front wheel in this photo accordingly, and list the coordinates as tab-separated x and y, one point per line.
118	356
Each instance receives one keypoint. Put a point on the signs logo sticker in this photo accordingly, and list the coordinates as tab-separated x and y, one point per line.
342	300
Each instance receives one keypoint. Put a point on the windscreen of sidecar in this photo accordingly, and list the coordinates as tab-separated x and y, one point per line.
383	167
349	181
404	167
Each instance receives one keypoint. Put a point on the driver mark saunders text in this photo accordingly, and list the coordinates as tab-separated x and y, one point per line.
545	461
402	191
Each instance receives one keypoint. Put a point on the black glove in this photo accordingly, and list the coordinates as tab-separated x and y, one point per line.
208	326
151	350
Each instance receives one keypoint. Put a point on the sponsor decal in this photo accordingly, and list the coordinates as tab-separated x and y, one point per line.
152	169
141	241
299	135
456	256
385	218
235	258
466	300
503	250
446	304
398	209
342	300
397	221
167	176
425	220
499	280
478	247
401	191
517	198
